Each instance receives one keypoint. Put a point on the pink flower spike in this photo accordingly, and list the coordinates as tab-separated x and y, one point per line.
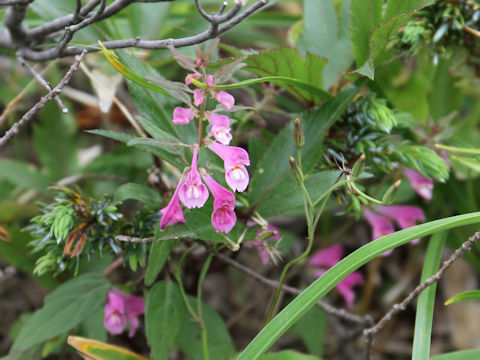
172	213
327	257
422	185
232	155
114	318
345	286
182	116
193	192
198	97
224	98
223	216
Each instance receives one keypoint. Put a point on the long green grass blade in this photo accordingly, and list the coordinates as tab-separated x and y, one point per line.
464	296
426	300
319	288
459	355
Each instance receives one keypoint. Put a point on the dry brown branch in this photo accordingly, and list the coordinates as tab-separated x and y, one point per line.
10	133
396	308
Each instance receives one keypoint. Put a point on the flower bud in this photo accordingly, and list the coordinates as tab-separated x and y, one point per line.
390	194
358	167
298	135
296	171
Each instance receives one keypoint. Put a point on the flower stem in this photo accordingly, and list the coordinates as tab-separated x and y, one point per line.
203	273
201	117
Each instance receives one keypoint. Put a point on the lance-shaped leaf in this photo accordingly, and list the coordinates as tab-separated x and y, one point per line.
91	349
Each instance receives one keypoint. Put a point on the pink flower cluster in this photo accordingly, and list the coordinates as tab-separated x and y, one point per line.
119	308
325	259
191	191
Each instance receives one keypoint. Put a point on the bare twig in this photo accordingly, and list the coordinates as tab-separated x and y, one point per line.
14	2
229	19
41	80
131	239
372	331
341	313
43	101
472	31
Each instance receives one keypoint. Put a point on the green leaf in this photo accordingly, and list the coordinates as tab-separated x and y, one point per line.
327	34
287	195
312	328
91	349
138	192
371	34
170	145
115	135
464	296
320	287
287	62
22	174
366	16
55	142
426	300
159	253
274	166
288	355
459	355
164	314
220	344
64	309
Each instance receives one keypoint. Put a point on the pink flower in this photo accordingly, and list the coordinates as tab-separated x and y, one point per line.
114	317
223	216
220	128
182	116
325	259
198	97
172	213
234	159
422	185
404	215
119	308
193	192
380	227
189	77
224	98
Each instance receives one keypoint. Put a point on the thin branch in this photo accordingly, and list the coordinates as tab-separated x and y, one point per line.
14	2
41	80
43	101
13	21
213	31
363	321
131	239
372	331
472	31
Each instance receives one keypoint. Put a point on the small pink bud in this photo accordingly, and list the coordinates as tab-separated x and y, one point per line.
172	213
198	97
182	116
224	98
189	77
119	308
